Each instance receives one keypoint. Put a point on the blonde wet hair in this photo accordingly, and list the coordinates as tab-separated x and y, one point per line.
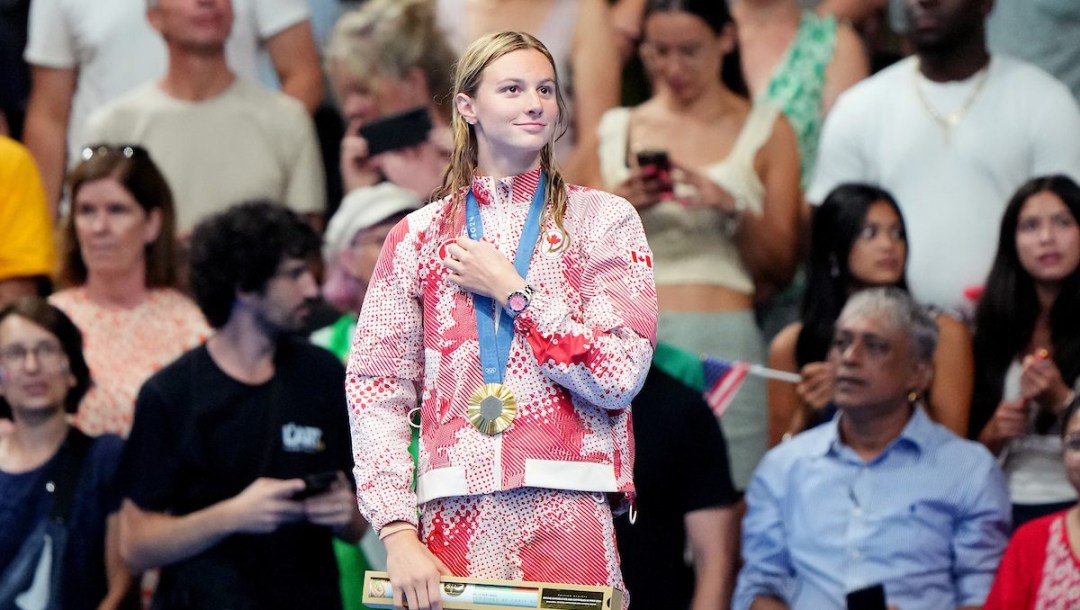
468	73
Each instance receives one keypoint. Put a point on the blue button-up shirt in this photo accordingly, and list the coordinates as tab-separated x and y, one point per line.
928	518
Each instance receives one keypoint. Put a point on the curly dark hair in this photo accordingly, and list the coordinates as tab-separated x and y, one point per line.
48	316
240	250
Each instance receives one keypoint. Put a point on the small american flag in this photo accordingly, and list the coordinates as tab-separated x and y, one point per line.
723	378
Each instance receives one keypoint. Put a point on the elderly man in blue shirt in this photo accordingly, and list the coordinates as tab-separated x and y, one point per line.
880	495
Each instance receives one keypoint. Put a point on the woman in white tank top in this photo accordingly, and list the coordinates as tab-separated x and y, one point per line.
724	222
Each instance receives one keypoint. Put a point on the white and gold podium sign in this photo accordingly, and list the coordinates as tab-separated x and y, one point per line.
484	594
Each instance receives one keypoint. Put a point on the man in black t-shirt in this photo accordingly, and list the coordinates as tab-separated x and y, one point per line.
223	437
685	497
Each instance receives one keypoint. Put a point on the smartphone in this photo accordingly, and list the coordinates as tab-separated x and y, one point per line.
867	598
315	484
656	165
396	131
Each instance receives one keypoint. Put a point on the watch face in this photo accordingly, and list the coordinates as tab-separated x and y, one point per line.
517	302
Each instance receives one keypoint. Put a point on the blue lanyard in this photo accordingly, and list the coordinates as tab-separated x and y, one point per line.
495	347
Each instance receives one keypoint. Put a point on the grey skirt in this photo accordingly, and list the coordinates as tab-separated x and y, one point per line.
733	335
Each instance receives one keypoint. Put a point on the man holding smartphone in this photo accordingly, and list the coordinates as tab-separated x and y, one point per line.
234	473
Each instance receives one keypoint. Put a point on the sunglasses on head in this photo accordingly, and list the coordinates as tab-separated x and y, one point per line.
125	150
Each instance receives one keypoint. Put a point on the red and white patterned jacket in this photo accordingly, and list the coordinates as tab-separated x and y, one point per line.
580	353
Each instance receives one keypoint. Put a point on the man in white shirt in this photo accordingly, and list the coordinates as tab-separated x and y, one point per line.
84	54
951	132
217	138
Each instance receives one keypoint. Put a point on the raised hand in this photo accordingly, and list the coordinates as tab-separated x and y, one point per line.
357	167
418	168
1041	381
816	387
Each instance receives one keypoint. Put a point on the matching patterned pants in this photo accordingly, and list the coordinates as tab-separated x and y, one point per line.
530	534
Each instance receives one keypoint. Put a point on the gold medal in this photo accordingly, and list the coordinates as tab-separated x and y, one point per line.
492	408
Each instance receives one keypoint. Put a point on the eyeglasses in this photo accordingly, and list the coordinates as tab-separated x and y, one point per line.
124	150
48	354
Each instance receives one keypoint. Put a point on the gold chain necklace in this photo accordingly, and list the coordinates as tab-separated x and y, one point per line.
947	122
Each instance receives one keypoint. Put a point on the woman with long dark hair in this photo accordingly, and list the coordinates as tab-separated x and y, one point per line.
1027	343
723	218
857	241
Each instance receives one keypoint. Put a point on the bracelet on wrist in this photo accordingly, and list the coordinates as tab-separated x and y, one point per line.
393	529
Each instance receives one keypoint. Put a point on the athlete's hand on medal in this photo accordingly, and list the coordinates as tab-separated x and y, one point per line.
266	504
478	267
414	572
335	508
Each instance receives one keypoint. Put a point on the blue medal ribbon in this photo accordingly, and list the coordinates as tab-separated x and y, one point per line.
495	346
